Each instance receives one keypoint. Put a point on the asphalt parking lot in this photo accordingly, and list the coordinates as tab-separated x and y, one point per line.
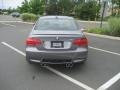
100	72
8	18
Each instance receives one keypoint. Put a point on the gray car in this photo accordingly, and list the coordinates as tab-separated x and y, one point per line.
56	40
15	14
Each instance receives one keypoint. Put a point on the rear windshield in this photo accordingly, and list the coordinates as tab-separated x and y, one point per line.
56	24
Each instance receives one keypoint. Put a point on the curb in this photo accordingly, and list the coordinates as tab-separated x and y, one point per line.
103	36
10	21
25	22
18	22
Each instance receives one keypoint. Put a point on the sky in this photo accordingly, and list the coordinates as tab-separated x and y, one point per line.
10	3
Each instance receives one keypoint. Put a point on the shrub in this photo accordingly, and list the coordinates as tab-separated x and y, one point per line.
114	26
29	17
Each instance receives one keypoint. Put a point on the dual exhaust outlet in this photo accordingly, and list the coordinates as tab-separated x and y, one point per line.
42	64
68	65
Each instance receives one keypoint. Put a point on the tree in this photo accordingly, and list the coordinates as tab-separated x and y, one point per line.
87	10
10	10
37	6
78	1
60	7
79	8
67	6
32	6
52	7
25	7
117	4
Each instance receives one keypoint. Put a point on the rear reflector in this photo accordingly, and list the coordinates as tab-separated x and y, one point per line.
33	41
80	42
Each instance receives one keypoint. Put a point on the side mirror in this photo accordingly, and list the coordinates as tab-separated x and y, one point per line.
83	29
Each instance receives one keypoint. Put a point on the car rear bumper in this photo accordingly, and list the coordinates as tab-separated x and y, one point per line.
56	57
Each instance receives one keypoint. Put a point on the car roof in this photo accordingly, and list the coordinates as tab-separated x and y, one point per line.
54	17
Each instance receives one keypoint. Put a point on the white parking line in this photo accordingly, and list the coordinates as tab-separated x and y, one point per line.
8	24
13	48
113	80
70	79
104	51
80	84
110	82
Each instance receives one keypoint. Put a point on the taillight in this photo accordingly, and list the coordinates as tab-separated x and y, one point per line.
33	41
80	42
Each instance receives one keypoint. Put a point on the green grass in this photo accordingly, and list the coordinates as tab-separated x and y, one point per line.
104	31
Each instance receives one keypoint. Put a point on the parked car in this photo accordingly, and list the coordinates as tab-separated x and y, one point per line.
56	40
15	14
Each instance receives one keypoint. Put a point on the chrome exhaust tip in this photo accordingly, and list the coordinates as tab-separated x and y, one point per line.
69	65
43	65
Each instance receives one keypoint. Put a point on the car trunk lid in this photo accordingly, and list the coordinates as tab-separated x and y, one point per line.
57	40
